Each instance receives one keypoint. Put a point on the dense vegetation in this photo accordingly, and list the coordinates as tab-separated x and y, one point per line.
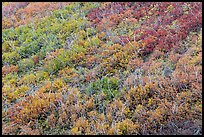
102	68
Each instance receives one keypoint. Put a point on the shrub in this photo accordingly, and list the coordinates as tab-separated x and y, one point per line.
10	57
26	64
109	86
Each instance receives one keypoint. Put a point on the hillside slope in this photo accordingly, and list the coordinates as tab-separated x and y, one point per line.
102	68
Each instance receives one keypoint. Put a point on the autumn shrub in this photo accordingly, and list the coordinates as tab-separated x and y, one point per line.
102	68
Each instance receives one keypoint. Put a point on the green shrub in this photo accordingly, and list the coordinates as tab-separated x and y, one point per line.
10	57
25	64
109	86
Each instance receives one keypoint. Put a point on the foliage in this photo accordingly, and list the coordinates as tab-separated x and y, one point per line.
82	68
108	86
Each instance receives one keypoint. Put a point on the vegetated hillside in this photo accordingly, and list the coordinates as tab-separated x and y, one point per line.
102	68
